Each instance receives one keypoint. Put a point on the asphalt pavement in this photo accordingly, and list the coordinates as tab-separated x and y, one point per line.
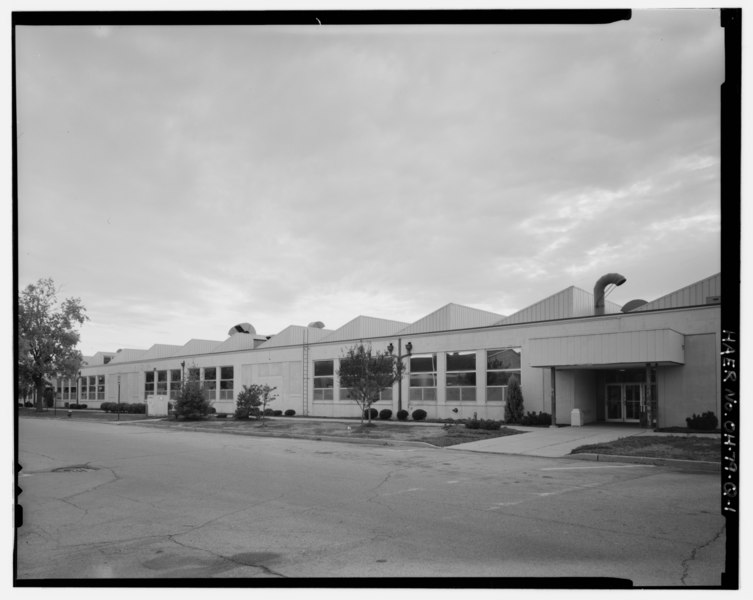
108	501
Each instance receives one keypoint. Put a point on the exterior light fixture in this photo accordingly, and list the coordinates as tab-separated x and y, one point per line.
390	348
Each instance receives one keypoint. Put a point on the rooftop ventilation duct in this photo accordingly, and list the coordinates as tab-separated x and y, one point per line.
317	324
242	328
633	304
601	284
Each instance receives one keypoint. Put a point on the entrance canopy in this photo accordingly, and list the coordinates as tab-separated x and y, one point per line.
663	347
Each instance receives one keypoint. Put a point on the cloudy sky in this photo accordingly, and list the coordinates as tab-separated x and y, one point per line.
180	180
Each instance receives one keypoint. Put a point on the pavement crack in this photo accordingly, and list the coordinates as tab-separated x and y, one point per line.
686	563
229	559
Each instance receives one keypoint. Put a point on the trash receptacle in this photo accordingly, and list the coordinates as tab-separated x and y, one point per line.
576	418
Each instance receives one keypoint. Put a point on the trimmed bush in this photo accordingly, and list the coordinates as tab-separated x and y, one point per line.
419	414
385	414
705	422
268	412
212	410
222	415
277	413
373	411
290	413
402	415
532	419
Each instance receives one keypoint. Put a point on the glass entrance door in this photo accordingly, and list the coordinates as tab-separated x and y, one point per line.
623	402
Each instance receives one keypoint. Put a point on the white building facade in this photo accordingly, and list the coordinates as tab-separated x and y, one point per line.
656	364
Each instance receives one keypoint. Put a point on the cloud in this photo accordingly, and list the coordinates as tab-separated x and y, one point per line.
182	179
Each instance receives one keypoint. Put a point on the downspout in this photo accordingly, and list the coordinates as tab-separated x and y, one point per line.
601	284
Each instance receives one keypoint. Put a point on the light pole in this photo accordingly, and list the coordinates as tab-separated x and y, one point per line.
78	389
182	371
400	357
118	397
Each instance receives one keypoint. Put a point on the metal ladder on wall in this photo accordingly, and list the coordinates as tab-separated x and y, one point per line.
305	373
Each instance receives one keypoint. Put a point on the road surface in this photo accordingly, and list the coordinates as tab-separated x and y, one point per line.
126	501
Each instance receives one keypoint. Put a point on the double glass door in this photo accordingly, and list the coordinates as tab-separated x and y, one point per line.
624	402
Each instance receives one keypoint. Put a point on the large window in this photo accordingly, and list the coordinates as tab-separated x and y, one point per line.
210	382
148	384
461	376
226	383
162	383
100	387
175	383
423	377
89	388
324	379
501	364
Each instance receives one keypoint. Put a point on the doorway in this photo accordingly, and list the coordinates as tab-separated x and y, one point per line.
623	402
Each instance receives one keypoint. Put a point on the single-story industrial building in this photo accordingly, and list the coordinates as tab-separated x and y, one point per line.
576	355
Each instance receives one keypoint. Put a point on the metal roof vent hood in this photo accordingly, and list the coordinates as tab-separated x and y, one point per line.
601	284
242	328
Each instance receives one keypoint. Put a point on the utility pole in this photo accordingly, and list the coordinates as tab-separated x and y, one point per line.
400	357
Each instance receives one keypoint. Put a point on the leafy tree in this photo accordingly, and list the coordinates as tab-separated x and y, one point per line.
514	404
251	398
192	401
366	373
47	336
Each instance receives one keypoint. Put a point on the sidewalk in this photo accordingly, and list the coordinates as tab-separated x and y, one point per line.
555	442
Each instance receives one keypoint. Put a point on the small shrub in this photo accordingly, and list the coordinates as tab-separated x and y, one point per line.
212	410
290	413
473	424
28	404
106	406
532	419
402	415
137	408
419	414
277	413
373	412
385	414
251	398
705	422
268	412
491	424
222	415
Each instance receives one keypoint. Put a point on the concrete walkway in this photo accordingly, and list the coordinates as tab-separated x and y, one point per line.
554	441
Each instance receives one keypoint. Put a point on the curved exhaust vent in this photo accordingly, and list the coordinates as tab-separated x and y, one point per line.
633	304
601	284
242	328
316	324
